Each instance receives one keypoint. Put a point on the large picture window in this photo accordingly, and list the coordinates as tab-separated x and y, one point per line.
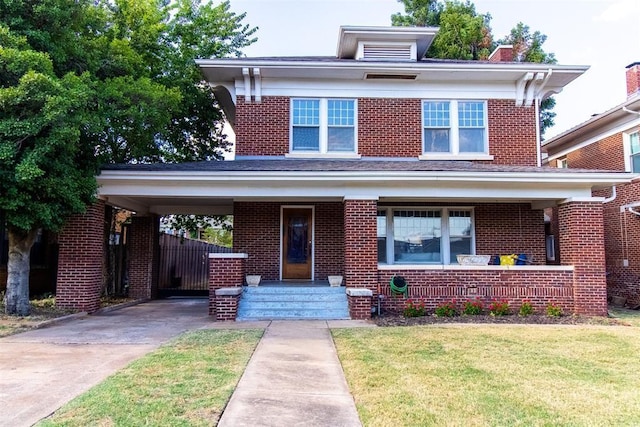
323	125
425	235
454	127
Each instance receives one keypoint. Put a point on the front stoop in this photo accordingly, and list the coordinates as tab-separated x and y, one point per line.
271	303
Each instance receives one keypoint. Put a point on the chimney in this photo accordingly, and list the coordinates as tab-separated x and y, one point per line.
633	79
503	53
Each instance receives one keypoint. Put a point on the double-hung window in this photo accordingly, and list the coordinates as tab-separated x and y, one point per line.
454	127
323	126
634	151
424	235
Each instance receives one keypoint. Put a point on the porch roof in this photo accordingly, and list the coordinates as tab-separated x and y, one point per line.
212	187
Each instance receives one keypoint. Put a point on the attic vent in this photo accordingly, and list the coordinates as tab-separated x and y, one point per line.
387	51
390	76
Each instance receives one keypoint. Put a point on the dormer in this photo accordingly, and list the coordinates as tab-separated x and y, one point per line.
385	43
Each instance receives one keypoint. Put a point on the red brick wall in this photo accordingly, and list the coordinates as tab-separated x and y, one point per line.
143	243
606	154
360	243
256	231
359	307
80	256
438	286
262	128
224	273
582	245
503	229
633	80
387	128
227	307
512	133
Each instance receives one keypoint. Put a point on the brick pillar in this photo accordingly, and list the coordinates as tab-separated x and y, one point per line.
143	247
226	270
360	244
81	251
581	244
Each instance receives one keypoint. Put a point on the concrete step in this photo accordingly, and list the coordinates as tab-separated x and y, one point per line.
299	302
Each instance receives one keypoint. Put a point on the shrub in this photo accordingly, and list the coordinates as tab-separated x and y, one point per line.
554	310
472	307
414	308
526	309
499	308
446	309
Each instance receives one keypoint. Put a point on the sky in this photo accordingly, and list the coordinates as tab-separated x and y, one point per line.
604	34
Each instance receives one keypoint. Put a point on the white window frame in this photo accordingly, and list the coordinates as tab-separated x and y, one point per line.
323	149
626	138
445	234
562	163
454	133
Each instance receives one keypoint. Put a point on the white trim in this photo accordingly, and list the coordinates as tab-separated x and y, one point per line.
257	80
229	255
358	197
316	155
581	199
359	292
247	85
436	156
404	267
313	236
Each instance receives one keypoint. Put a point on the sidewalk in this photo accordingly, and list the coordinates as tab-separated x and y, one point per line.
294	378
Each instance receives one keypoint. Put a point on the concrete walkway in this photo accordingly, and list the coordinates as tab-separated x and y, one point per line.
294	378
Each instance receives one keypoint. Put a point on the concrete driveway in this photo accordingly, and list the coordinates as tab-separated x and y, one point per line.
41	370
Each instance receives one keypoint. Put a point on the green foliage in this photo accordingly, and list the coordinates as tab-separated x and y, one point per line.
499	308
219	236
526	309
414	308
464	34
446	309
418	13
472	307
554	310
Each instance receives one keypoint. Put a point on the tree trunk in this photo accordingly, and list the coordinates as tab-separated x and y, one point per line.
16	299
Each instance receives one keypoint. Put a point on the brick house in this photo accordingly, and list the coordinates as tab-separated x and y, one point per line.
374	163
611	140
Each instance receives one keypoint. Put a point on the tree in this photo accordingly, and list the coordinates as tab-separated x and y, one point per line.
418	13
86	82
45	174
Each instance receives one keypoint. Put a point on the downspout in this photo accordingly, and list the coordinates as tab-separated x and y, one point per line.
612	197
538	138
633	211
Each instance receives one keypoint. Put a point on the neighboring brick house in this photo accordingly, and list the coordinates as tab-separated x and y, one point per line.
379	162
611	140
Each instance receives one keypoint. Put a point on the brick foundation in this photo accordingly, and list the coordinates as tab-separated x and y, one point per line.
81	247
225	271
227	301
540	285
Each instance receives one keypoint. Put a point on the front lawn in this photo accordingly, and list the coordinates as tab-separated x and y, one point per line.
493	375
184	383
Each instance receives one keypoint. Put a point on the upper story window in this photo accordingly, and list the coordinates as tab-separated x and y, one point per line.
323	126
562	163
454	128
634	151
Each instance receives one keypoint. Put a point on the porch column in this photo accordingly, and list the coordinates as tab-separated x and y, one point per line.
581	244
360	243
81	248
143	247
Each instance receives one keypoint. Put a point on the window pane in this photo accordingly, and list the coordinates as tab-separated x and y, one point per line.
635	163
382	237
471	114
340	139
306	112
634	140
459	234
340	112
436	114
472	140
436	140
417	236
306	138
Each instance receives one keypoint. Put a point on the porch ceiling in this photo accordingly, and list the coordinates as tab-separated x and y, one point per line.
212	190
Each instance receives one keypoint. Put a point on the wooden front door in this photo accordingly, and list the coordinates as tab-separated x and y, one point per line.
297	243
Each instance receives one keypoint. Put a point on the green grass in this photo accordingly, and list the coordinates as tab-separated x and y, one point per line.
631	317
493	375
184	383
